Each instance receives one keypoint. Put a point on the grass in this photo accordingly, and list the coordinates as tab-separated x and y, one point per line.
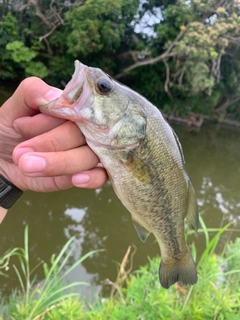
34	300
215	296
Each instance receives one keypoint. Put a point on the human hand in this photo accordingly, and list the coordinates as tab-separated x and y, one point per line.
42	153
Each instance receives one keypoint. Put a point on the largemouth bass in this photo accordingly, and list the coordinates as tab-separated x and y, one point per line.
144	161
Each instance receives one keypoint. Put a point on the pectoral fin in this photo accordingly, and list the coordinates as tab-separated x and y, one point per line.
192	213
140	170
141	231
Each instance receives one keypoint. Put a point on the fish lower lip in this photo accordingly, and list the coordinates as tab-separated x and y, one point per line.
53	110
46	107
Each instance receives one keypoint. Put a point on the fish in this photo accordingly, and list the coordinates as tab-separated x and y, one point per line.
143	158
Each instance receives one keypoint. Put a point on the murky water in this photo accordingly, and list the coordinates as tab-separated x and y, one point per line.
99	221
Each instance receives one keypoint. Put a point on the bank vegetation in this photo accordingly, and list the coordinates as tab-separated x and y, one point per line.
133	295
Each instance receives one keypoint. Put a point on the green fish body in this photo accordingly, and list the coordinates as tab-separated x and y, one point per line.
143	158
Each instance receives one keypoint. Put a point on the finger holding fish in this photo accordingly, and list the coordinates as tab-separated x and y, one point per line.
67	162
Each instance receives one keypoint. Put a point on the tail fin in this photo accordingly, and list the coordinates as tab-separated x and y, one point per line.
183	272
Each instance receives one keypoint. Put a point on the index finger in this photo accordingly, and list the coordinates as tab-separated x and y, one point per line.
31	93
64	137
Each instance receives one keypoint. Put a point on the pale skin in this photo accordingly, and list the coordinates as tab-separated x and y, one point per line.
42	153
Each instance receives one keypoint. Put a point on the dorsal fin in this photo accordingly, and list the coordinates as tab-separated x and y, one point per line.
179	145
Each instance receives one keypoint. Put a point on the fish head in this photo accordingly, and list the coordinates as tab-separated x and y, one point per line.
89	98
99	105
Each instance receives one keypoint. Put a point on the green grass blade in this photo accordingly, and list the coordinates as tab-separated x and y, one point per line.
210	248
78	262
205	230
19	279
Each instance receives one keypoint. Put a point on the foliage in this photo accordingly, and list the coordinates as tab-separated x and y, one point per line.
23	57
195	40
215	296
182	55
9	33
96	26
19	52
36	69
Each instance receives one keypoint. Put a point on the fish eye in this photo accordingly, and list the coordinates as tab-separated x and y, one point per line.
104	85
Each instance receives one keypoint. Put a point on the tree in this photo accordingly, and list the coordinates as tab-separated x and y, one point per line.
198	43
182	55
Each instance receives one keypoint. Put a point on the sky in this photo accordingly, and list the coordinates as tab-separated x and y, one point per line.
148	20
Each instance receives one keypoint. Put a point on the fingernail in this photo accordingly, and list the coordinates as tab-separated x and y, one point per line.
19	152
33	164
50	95
80	179
53	94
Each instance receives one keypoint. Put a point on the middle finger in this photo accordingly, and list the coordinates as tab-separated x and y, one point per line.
64	137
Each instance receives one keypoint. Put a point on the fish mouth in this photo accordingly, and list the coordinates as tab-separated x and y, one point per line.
74	88
72	100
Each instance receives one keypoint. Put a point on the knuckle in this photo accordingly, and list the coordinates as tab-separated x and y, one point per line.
28	82
60	165
53	144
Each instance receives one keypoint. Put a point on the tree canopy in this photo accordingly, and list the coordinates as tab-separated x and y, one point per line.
182	55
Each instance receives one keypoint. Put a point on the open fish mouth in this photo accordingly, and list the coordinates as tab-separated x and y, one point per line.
67	106
74	91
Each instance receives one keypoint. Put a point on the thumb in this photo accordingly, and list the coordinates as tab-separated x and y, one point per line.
31	93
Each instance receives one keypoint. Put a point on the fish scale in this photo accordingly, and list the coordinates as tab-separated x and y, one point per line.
143	158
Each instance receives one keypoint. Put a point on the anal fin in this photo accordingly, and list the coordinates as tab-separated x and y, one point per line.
192	212
141	231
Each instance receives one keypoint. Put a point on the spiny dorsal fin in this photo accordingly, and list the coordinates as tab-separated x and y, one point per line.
141	231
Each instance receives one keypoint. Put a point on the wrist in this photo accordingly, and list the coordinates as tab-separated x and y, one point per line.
9	193
3	212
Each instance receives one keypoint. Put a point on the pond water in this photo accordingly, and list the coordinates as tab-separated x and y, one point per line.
99	221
